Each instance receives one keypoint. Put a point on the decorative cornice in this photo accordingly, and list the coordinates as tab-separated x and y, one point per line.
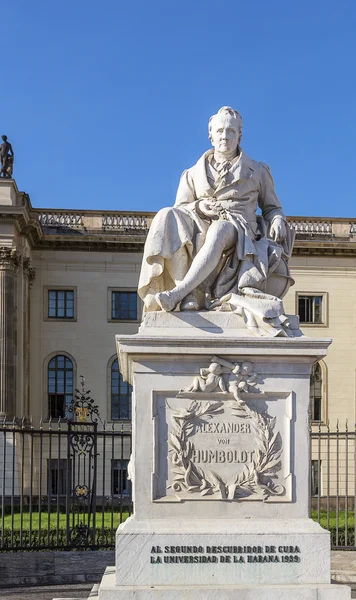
9	258
28	270
122	231
314	248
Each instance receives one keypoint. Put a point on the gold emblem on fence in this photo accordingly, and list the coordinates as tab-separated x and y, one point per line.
82	413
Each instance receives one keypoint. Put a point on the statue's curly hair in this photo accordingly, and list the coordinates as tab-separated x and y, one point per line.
230	111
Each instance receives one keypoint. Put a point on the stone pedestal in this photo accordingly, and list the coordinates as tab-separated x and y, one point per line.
221	465
8	192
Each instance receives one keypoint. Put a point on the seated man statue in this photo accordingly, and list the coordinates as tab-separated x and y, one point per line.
211	251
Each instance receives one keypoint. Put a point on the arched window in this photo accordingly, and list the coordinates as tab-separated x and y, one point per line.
121	392
60	385
316	395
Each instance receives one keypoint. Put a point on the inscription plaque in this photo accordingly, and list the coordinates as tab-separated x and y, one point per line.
222	448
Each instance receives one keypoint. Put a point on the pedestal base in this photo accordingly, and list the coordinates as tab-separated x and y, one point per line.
108	590
226	552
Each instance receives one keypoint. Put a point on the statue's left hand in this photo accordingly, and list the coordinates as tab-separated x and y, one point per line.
209	208
278	230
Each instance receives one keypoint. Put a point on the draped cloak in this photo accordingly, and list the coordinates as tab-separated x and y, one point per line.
243	277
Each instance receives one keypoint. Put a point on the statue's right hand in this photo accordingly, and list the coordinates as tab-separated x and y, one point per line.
208	208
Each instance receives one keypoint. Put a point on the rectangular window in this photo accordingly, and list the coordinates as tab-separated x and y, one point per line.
310	309
315	477
61	304
120	485
57	476
123	306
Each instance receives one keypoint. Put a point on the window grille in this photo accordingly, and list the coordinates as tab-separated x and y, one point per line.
57	476
310	309
61	304
124	306
119	481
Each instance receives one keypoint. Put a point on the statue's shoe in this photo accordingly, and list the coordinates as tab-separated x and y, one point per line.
166	301
189	303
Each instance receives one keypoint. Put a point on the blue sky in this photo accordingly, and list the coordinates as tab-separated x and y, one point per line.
106	103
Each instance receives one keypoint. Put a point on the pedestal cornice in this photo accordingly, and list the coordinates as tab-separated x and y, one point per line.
208	333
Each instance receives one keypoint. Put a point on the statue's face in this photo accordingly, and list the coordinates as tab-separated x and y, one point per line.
224	133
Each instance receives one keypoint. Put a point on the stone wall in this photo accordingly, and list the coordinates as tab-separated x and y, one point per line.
88	339
335	279
53	568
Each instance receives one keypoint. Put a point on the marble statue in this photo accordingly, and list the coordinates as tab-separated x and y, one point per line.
6	158
211	251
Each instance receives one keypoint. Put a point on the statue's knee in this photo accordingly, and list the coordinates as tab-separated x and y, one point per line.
162	219
165	212
221	226
223	231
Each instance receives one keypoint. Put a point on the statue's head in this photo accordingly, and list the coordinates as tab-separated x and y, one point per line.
4	137
215	368
225	129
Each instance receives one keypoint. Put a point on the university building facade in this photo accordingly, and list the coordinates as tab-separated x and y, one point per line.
68	282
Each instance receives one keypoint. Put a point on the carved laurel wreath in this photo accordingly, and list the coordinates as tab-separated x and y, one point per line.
191	478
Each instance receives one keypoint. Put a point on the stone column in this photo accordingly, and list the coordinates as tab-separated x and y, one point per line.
9	263
30	275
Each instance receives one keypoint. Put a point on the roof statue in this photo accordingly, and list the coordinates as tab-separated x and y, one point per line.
211	251
6	158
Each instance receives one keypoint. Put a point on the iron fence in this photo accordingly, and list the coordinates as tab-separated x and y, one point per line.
333	482
63	485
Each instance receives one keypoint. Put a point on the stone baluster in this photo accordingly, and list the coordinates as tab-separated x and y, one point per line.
9	263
